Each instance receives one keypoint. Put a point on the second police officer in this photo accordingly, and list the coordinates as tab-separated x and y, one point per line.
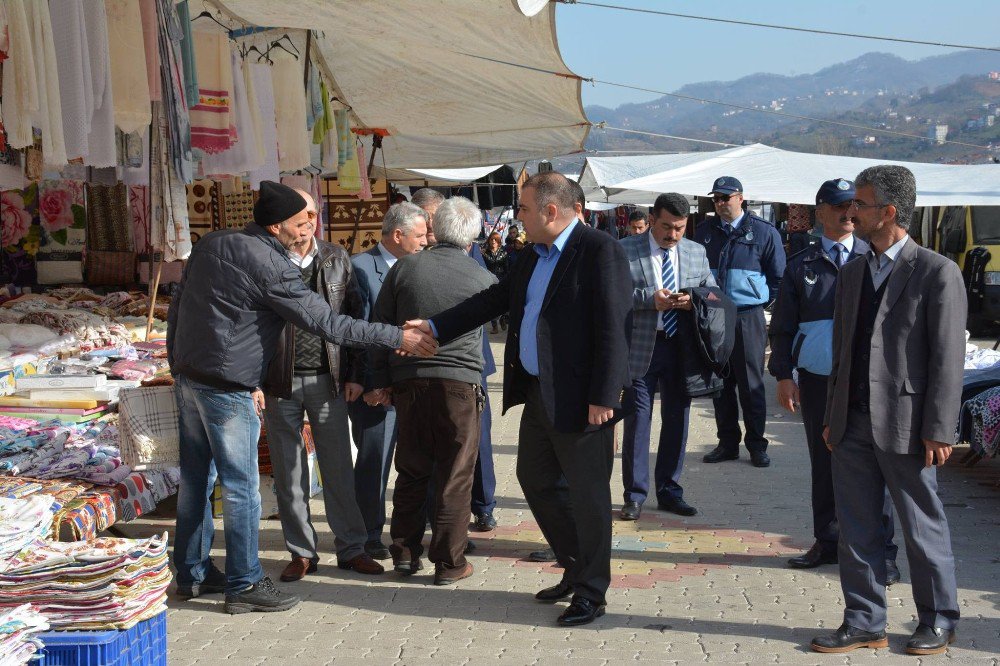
747	259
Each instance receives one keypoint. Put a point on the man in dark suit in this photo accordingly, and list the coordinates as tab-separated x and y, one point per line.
570	304
662	262
802	340
373	426
893	401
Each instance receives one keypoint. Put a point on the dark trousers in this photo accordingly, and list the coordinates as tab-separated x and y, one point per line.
746	374
566	478
374	433
666	374
861	471
438	437
812	398
484	483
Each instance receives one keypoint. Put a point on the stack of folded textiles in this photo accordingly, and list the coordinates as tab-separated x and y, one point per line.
22	522
105	583
17	627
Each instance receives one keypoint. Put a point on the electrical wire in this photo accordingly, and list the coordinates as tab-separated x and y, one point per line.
604	125
815	31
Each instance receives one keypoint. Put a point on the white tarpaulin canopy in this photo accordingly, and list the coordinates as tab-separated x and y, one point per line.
771	174
435	177
428	72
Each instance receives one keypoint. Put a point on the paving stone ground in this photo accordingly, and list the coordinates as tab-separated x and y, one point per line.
713	588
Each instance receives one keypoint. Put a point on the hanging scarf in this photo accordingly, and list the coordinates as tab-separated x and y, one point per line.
212	122
290	114
49	116
171	34
20	85
73	62
128	65
101	145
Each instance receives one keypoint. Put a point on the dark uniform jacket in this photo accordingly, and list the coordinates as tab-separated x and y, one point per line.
801	329
747	264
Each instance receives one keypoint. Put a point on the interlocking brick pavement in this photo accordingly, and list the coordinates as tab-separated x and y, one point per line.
708	589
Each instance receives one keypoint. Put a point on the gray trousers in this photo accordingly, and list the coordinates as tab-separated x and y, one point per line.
312	395
860	470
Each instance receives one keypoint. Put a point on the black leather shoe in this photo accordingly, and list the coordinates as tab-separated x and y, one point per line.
631	511
556	592
813	558
891	573
760	459
214	583
581	611
719	454
547	555
484	522
678	506
847	638
470	546
929	640
377	550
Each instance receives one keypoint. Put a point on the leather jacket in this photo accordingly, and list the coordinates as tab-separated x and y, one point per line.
338	286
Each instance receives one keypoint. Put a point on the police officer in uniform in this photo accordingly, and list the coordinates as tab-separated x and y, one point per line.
802	339
747	258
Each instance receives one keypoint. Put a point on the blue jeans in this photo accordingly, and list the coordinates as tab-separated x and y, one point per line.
218	437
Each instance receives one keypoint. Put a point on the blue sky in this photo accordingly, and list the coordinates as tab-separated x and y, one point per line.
666	53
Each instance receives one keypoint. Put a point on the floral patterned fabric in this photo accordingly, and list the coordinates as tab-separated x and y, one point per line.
21	233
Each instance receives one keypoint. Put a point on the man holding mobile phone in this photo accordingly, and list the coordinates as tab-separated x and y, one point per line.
661	263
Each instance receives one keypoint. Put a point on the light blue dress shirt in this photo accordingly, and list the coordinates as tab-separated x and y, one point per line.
828	244
548	257
735	224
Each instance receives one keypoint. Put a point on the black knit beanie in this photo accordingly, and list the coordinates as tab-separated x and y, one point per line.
276	203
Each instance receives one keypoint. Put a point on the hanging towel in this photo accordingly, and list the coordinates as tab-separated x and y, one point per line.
129	75
242	155
73	61
290	113
49	116
344	143
329	151
189	70
254	106
263	86
102	149
324	123
170	230
150	32
314	108
171	34
349	174
212	122
20	84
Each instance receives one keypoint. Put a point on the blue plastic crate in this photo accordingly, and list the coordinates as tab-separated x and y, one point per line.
145	644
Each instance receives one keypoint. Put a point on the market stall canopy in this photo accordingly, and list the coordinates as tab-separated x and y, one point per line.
434	177
431	72
771	174
600	175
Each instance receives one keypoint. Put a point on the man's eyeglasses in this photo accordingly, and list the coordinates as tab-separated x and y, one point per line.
857	203
722	198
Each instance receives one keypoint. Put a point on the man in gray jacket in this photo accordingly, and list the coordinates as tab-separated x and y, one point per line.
892	408
238	290
438	400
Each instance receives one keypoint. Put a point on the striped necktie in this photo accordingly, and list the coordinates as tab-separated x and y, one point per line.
669	316
838	254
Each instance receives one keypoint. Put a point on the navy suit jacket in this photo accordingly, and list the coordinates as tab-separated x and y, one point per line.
370	269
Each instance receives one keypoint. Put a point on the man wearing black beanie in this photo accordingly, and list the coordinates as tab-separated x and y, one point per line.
239	289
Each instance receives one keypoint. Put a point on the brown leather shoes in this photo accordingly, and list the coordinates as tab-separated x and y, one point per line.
363	564
450	576
297	569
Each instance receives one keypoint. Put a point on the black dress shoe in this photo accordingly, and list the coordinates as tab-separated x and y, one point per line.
678	506
847	638
631	511
470	546
760	459
719	454
930	640
484	522
813	558
581	611
891	573
556	592
377	550
547	555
